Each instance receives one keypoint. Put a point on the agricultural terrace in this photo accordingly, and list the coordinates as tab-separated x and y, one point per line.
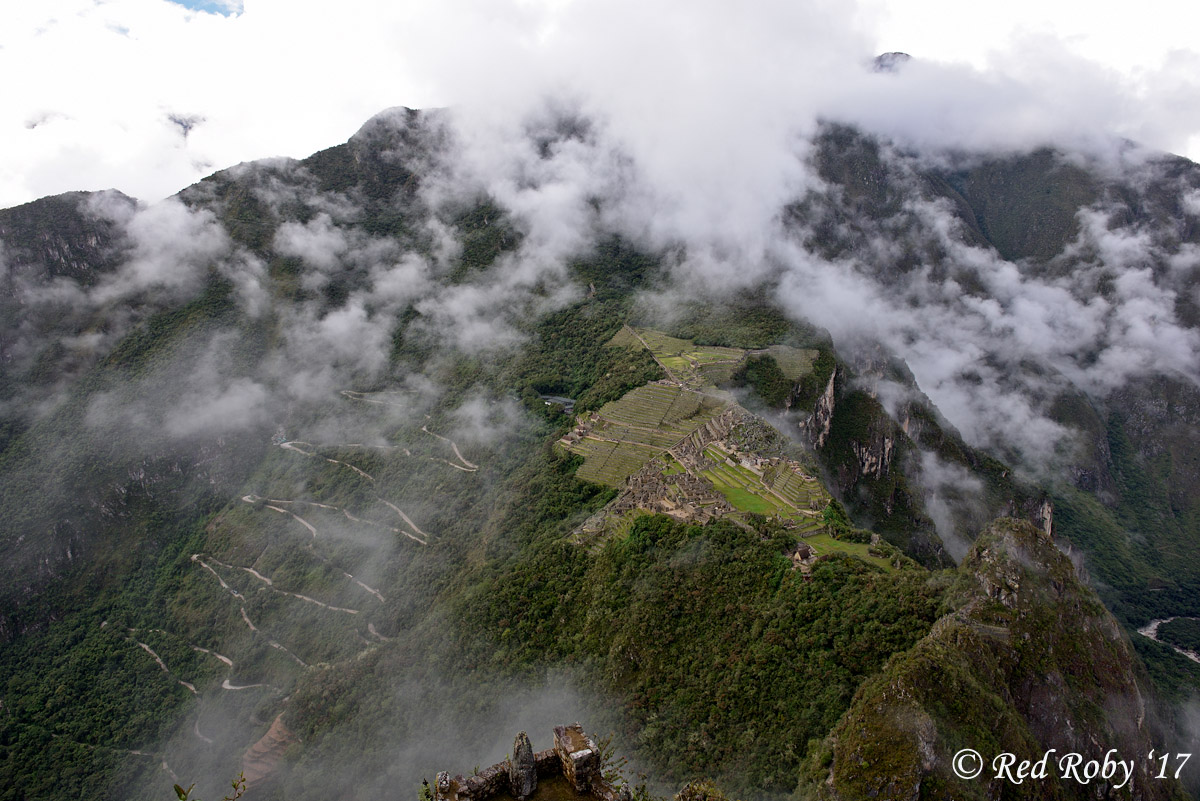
793	362
687	362
627	433
780	491
709	365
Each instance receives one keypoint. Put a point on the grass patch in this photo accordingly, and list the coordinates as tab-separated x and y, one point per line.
745	491
746	501
610	463
794	362
692	364
824	544
674	468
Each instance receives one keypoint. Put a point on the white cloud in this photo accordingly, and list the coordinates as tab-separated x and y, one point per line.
994	361
953	500
682	85
317	243
172	248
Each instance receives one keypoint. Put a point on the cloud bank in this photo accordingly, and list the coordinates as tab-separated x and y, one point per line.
162	102
684	127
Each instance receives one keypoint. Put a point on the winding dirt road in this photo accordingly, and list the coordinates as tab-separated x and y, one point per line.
275	505
292	446
1151	630
160	662
246	617
470	466
271	586
225	684
466	466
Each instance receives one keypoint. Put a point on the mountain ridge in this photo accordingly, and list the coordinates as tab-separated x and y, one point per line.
323	454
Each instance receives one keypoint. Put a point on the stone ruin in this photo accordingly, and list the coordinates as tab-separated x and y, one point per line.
574	756
690	450
683	496
688	497
583	426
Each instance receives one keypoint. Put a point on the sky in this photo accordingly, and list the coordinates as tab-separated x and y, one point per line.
148	96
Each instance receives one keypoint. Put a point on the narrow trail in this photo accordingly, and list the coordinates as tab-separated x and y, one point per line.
157	658
407	452
378	595
225	684
271	586
219	657
252	498
298	518
224	586
466	466
362	396
291	446
279	647
1151	630
196	731
653	355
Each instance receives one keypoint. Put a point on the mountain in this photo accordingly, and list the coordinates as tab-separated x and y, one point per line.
1027	662
345	469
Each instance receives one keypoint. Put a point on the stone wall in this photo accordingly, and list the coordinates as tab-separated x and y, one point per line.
574	756
578	754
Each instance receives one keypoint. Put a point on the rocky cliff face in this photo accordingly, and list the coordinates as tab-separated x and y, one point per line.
1029	661
902	468
818	424
262	759
866	453
63	236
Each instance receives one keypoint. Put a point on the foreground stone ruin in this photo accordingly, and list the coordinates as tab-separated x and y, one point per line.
574	756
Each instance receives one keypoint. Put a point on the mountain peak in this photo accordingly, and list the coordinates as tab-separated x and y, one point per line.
890	62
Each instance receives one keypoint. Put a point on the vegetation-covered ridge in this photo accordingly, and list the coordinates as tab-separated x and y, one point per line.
1028	660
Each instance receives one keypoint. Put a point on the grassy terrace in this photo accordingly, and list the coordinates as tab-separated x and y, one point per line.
710	365
694	365
611	463
794	488
823	544
717	374
794	362
662	345
642	424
